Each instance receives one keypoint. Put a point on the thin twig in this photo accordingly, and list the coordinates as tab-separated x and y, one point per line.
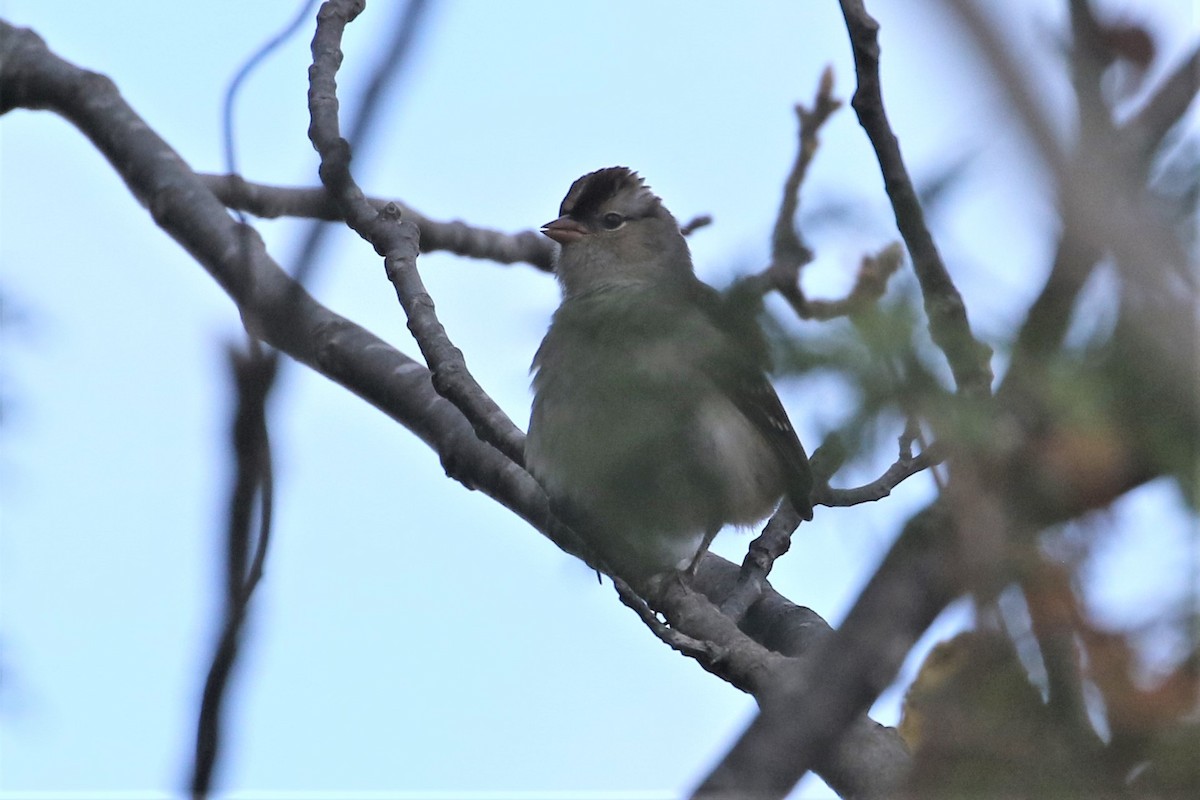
900	470
913	585
456	237
874	272
775	540
252	488
776	536
233	90
254	376
789	253
787	244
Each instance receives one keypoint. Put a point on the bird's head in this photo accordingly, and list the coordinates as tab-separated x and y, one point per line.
614	230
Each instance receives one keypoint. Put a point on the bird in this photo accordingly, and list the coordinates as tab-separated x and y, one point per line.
653	423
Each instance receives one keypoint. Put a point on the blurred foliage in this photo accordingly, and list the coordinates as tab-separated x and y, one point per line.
1106	398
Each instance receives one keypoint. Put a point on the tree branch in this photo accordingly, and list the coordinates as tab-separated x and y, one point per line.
847	670
395	239
460	238
775	540
948	324
789	254
787	245
253	485
283	313
869	761
904	467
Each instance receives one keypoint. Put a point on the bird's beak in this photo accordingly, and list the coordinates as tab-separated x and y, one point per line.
565	230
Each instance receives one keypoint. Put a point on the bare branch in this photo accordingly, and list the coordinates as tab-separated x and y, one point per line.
789	253
1049	316
282	313
253	374
787	246
727	652
776	538
703	652
456	237
874	272
903	468
256	375
366	111
1055	620
948	324
1018	89
846	671
764	551
869	761
395	239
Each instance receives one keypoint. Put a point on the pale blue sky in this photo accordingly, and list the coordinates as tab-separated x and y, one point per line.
411	635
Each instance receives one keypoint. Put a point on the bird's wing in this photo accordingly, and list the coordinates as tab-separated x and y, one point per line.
742	372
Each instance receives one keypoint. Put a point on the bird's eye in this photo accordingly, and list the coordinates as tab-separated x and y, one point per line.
612	220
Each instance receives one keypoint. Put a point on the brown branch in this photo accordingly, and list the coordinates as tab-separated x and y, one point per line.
1102	194
460	238
919	576
948	325
915	583
395	239
1055	621
1019	90
1049	316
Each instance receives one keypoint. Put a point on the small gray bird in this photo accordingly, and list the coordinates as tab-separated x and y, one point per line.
653	424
